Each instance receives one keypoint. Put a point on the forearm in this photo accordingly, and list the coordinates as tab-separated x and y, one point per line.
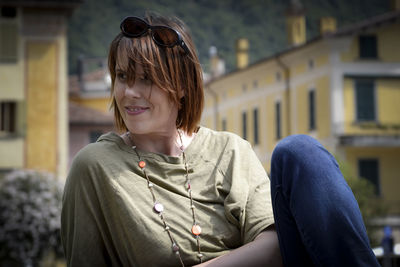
263	251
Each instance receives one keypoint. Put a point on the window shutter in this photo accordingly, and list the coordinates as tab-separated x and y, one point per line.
365	100
369	169
368	47
8	43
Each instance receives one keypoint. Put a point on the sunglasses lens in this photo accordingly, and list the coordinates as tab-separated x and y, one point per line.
134	27
165	36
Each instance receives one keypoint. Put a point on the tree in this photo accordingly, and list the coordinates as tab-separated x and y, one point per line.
30	209
370	204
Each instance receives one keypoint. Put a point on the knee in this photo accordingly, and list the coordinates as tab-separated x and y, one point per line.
296	146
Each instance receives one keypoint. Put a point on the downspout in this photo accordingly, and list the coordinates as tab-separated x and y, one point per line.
216	113
286	72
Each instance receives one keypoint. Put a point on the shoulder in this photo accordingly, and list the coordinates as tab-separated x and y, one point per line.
106	148
221	148
223	139
96	161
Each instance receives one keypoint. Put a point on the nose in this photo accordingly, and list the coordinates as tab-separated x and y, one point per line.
133	90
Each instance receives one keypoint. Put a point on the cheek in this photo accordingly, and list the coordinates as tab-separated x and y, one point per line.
118	93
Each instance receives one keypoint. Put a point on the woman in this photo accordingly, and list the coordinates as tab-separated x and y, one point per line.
167	192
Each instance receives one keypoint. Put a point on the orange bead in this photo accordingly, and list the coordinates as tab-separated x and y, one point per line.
142	164
196	229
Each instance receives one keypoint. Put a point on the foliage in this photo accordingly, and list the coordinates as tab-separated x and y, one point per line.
370	204
30	204
218	23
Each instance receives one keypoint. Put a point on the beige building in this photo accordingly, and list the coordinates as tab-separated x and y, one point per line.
89	101
33	84
341	87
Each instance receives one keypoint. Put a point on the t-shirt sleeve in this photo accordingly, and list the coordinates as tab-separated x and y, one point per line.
248	204
80	234
258	213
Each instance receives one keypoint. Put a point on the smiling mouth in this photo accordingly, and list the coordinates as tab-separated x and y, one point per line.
135	110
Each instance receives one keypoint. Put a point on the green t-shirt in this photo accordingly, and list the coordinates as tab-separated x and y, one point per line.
108	217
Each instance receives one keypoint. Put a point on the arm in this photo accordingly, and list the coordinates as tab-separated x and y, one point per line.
82	240
262	251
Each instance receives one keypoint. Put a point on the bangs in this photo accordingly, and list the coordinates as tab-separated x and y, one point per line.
144	52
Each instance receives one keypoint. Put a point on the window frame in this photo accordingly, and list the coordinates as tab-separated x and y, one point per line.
8	126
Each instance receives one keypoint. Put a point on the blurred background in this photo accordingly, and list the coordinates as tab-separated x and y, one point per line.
329	69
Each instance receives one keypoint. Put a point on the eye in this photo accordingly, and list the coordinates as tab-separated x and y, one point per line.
145	78
121	76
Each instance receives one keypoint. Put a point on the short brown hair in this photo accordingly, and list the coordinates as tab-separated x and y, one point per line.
171	69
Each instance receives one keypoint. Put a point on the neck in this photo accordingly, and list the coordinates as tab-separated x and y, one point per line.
164	144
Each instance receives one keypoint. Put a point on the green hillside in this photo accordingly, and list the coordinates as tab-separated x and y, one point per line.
212	22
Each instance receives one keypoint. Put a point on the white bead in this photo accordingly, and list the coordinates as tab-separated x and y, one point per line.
158	207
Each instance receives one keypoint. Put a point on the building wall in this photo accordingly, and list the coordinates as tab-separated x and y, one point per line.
329	67
388	170
98	103
42	100
37	82
387	97
12	88
388	41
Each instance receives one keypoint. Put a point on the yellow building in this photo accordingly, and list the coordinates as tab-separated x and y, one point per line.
342	87
33	84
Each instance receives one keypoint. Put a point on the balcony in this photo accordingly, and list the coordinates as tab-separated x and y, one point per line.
370	134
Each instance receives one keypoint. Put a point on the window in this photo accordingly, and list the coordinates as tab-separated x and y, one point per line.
369	169
94	135
7	117
365	100
8	12
255	130
311	110
278	120
368	47
244	125
310	64
223	124
8	35
278	76
255	84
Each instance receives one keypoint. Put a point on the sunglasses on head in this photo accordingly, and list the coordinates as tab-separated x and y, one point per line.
134	27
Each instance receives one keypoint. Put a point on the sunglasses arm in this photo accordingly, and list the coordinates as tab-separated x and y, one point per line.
184	46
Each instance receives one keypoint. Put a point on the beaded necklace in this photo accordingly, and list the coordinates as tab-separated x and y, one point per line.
159	208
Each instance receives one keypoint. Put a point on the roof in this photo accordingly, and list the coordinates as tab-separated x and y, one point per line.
80	115
386	18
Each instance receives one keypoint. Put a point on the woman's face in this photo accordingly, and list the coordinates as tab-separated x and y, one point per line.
144	107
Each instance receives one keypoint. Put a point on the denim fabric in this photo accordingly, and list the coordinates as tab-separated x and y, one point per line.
317	218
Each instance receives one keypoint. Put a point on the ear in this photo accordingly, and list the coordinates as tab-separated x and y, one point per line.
181	93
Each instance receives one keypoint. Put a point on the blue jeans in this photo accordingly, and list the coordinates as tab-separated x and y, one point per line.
317	218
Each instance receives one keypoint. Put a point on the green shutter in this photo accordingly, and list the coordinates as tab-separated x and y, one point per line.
365	100
8	41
